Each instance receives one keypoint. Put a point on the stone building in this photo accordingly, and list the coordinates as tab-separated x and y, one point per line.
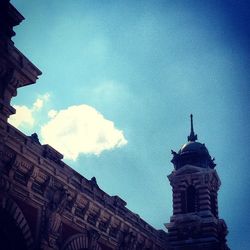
45	204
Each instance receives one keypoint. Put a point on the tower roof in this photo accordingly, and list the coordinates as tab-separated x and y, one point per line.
192	152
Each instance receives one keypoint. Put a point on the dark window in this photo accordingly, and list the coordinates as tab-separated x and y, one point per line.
191	199
213	204
103	226
113	232
183	202
92	218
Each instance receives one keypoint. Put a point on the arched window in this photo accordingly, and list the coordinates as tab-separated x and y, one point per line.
191	199
14	226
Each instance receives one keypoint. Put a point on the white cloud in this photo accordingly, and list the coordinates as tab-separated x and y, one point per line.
23	117
52	113
81	129
38	104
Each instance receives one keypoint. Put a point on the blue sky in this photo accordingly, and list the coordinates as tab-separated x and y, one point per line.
139	68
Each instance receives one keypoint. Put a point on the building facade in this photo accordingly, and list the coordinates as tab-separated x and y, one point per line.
45	204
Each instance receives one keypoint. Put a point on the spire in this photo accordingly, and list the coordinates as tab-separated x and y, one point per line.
192	136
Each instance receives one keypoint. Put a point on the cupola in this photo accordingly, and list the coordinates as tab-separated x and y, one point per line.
192	153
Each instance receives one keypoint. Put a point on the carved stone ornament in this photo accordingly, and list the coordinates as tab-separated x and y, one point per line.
58	201
4	184
7	159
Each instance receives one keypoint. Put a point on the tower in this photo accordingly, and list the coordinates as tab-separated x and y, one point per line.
195	223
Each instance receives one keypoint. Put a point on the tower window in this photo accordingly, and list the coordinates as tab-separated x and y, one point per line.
183	202
213	204
191	199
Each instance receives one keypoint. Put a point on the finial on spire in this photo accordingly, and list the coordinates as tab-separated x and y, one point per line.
192	136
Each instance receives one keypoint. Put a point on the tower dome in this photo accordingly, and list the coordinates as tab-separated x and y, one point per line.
192	153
